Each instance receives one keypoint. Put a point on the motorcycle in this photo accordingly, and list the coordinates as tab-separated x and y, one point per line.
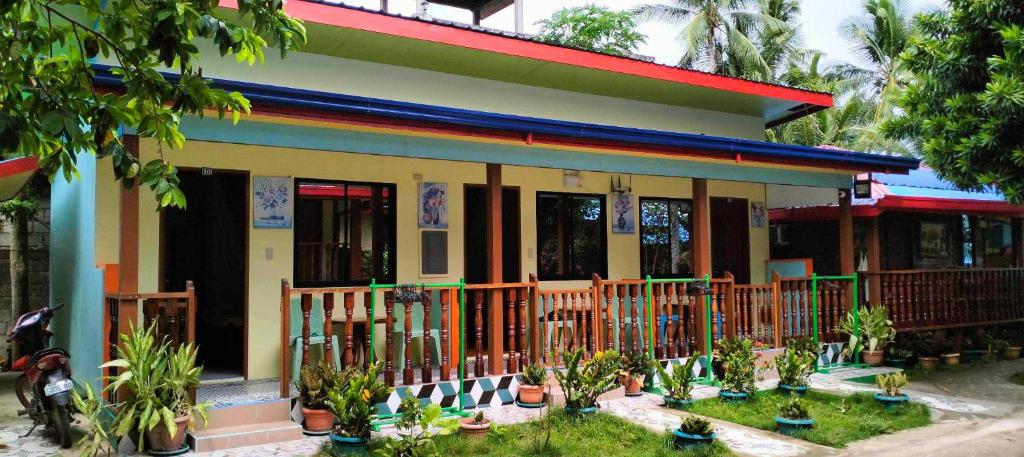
44	387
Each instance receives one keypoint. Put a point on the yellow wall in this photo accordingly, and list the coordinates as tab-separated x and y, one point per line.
265	275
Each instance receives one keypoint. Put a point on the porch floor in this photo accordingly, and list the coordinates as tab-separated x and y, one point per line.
227	394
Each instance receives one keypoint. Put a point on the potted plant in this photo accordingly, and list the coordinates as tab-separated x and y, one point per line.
531	391
583	383
794	369
354	404
633	368
312	388
679	383
875	331
974	351
793	417
475	427
898	357
738	362
694	432
157	379
417	426
928	347
950	357
890	386
1011	352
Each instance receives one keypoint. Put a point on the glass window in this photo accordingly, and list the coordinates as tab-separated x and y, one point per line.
344	233
571	236
665	248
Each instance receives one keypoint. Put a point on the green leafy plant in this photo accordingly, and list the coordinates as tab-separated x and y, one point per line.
592	27
693	425
805	345
635	364
535	375
891	384
157	379
794	368
315	380
429	423
97	440
479	418
740	363
354	404
679	383
583	383
875	329
794	408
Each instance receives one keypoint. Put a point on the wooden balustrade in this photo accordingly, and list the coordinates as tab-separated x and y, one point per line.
173	313
755	314
676	313
567	321
938	299
621	307
518	311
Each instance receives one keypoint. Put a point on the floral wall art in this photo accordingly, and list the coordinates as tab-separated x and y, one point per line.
272	202
622	213
433	205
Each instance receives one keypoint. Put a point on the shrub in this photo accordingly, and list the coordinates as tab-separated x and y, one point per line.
354	404
583	383
412	414
739	362
875	329
635	364
794	409
535	375
892	383
694	425
679	383
794	368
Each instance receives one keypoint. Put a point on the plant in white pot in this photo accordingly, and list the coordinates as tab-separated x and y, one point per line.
875	332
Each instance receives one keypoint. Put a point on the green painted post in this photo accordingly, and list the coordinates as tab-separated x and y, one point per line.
462	340
814	309
707	327
650	318
856	317
373	314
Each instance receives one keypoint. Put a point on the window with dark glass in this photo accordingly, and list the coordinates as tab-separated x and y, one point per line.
571	236
665	247
344	233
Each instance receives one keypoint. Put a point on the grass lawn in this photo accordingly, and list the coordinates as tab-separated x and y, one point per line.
601	435
839	419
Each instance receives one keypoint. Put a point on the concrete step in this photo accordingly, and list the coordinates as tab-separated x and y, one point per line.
244	435
232	416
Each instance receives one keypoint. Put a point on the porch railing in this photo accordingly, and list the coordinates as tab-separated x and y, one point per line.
941	299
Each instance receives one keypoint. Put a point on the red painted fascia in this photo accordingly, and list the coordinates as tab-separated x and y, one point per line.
896	203
18	166
389	25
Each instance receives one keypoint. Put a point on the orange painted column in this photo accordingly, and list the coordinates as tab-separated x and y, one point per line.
846	254
701	248
495	330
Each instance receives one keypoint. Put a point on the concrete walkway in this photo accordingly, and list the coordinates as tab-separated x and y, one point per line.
976	411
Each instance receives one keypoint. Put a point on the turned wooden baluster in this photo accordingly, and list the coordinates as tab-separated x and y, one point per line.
659	349
328	330
571	297
634	325
350	303
478	302
683	339
545	343
585	328
510	319
620	293
306	305
445	344
370	318
389	345
524	358
607	300
408	374
428	339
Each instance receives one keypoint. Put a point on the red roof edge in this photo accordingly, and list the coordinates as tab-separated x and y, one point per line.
19	165
390	25
896	203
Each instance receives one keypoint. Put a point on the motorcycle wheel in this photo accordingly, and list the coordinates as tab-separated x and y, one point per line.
61	425
24	392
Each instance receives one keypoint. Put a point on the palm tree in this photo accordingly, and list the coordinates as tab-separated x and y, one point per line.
714	29
776	46
878	37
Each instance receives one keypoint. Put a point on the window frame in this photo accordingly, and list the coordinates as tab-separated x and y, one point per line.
377	211
603	221
640	232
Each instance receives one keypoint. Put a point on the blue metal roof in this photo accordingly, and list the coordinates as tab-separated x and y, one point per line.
924	182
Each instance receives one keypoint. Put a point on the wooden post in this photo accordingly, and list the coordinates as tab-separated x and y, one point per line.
1017	233
328	330
874	242
495	351
730	313
846	254
776	309
536	332
285	319
701	250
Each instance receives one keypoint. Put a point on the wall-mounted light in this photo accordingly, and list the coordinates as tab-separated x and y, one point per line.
862	186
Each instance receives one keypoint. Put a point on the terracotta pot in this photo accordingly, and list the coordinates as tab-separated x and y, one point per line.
873	358
634	385
159	440
318	420
531	394
1011	352
951	359
928	363
474	430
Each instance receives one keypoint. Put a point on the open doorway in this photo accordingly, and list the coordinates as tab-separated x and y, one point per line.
730	238
476	245
207	244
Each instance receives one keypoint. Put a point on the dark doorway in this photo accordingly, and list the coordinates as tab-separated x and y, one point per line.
206	243
730	238
476	245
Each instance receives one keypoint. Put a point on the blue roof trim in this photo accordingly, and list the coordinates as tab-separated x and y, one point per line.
308	99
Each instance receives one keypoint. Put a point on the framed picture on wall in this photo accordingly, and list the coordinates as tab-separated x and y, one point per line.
623	221
934	240
272	202
758	214
433	205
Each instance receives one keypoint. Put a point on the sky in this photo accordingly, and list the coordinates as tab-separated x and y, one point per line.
820	22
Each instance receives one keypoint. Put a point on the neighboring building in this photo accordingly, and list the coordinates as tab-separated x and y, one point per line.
910	222
38	260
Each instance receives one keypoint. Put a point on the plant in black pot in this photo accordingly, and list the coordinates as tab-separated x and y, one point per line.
354	405
582	383
679	383
899	355
890	385
793	417
794	370
739	364
634	366
974	350
694	432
